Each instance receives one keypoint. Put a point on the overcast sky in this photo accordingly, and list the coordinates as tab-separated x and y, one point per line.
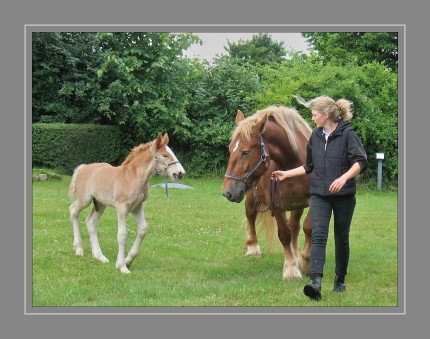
213	43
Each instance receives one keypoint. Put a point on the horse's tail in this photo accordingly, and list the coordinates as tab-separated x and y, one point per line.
72	187
269	226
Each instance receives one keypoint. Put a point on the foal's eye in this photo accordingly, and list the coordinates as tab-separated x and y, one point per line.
164	155
244	154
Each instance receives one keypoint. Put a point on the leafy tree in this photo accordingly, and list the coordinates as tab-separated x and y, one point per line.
64	82
372	88
359	47
261	49
216	91
142	77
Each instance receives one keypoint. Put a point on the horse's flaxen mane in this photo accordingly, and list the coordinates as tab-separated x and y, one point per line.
135	151
286	117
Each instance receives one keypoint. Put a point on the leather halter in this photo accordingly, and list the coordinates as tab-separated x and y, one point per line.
245	178
156	158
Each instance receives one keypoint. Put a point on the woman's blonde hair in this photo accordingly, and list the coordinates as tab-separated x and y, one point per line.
337	110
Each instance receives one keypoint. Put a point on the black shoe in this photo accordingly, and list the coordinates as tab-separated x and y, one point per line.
313	290
339	284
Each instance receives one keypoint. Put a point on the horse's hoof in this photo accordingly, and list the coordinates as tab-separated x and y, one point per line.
253	251
294	274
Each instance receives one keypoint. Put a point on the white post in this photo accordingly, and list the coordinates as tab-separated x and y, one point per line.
379	157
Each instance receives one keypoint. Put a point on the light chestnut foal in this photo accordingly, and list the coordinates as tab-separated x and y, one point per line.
125	188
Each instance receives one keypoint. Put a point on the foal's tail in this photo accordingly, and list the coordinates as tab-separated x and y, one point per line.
72	187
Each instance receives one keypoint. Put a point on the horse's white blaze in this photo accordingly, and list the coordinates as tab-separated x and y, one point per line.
236	146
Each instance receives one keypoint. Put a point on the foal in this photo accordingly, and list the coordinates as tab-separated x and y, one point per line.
125	188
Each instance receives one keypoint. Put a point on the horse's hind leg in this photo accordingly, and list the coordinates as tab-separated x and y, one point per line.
142	228
291	269
92	222
304	263
75	209
251	240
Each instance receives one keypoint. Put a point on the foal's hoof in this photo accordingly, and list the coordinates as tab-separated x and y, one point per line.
102	259
124	270
79	252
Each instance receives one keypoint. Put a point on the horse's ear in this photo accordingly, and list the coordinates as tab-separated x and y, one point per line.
165	139
239	116
263	123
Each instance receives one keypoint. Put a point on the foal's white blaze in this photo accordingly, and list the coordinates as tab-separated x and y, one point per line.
236	146
178	165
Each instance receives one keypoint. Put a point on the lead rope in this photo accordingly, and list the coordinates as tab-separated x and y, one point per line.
274	194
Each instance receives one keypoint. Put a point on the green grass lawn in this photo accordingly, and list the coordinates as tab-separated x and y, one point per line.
193	255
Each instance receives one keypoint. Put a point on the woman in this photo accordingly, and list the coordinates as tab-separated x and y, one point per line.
335	156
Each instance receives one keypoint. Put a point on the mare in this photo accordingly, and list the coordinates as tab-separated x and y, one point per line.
274	138
125	188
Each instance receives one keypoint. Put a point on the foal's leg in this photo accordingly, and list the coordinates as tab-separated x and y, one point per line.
251	240
92	224
75	210
122	212
291	269
304	263
142	228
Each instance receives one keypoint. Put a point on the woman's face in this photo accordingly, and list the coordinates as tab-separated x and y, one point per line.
319	118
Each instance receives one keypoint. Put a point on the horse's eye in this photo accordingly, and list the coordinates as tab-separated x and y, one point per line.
164	155
244	154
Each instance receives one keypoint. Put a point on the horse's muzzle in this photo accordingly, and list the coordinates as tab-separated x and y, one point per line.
237	197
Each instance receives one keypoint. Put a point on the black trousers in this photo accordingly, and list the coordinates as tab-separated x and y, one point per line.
321	209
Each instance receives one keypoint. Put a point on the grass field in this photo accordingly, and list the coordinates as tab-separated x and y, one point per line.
193	255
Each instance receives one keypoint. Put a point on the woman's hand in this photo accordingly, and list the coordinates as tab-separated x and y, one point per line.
279	175
337	185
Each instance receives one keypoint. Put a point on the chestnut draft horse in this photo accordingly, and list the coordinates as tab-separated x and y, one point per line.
125	188
274	138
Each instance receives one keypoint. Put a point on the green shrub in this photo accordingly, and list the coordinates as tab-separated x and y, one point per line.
66	146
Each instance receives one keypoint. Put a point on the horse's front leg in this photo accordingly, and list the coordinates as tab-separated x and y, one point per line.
291	269
142	228
251	240
122	212
294	224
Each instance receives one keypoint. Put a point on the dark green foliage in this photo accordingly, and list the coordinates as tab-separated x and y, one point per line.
261	49
358	47
66	146
141	83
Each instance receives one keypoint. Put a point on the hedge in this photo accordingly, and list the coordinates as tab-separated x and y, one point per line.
65	146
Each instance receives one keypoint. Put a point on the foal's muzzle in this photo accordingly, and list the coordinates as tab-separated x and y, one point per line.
179	175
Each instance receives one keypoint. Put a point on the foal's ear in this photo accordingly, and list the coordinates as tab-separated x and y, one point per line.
239	116
158	141
165	139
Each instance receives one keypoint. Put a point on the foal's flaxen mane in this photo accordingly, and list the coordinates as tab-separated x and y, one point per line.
135	151
286	117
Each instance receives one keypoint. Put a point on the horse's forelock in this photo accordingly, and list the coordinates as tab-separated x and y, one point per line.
287	117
